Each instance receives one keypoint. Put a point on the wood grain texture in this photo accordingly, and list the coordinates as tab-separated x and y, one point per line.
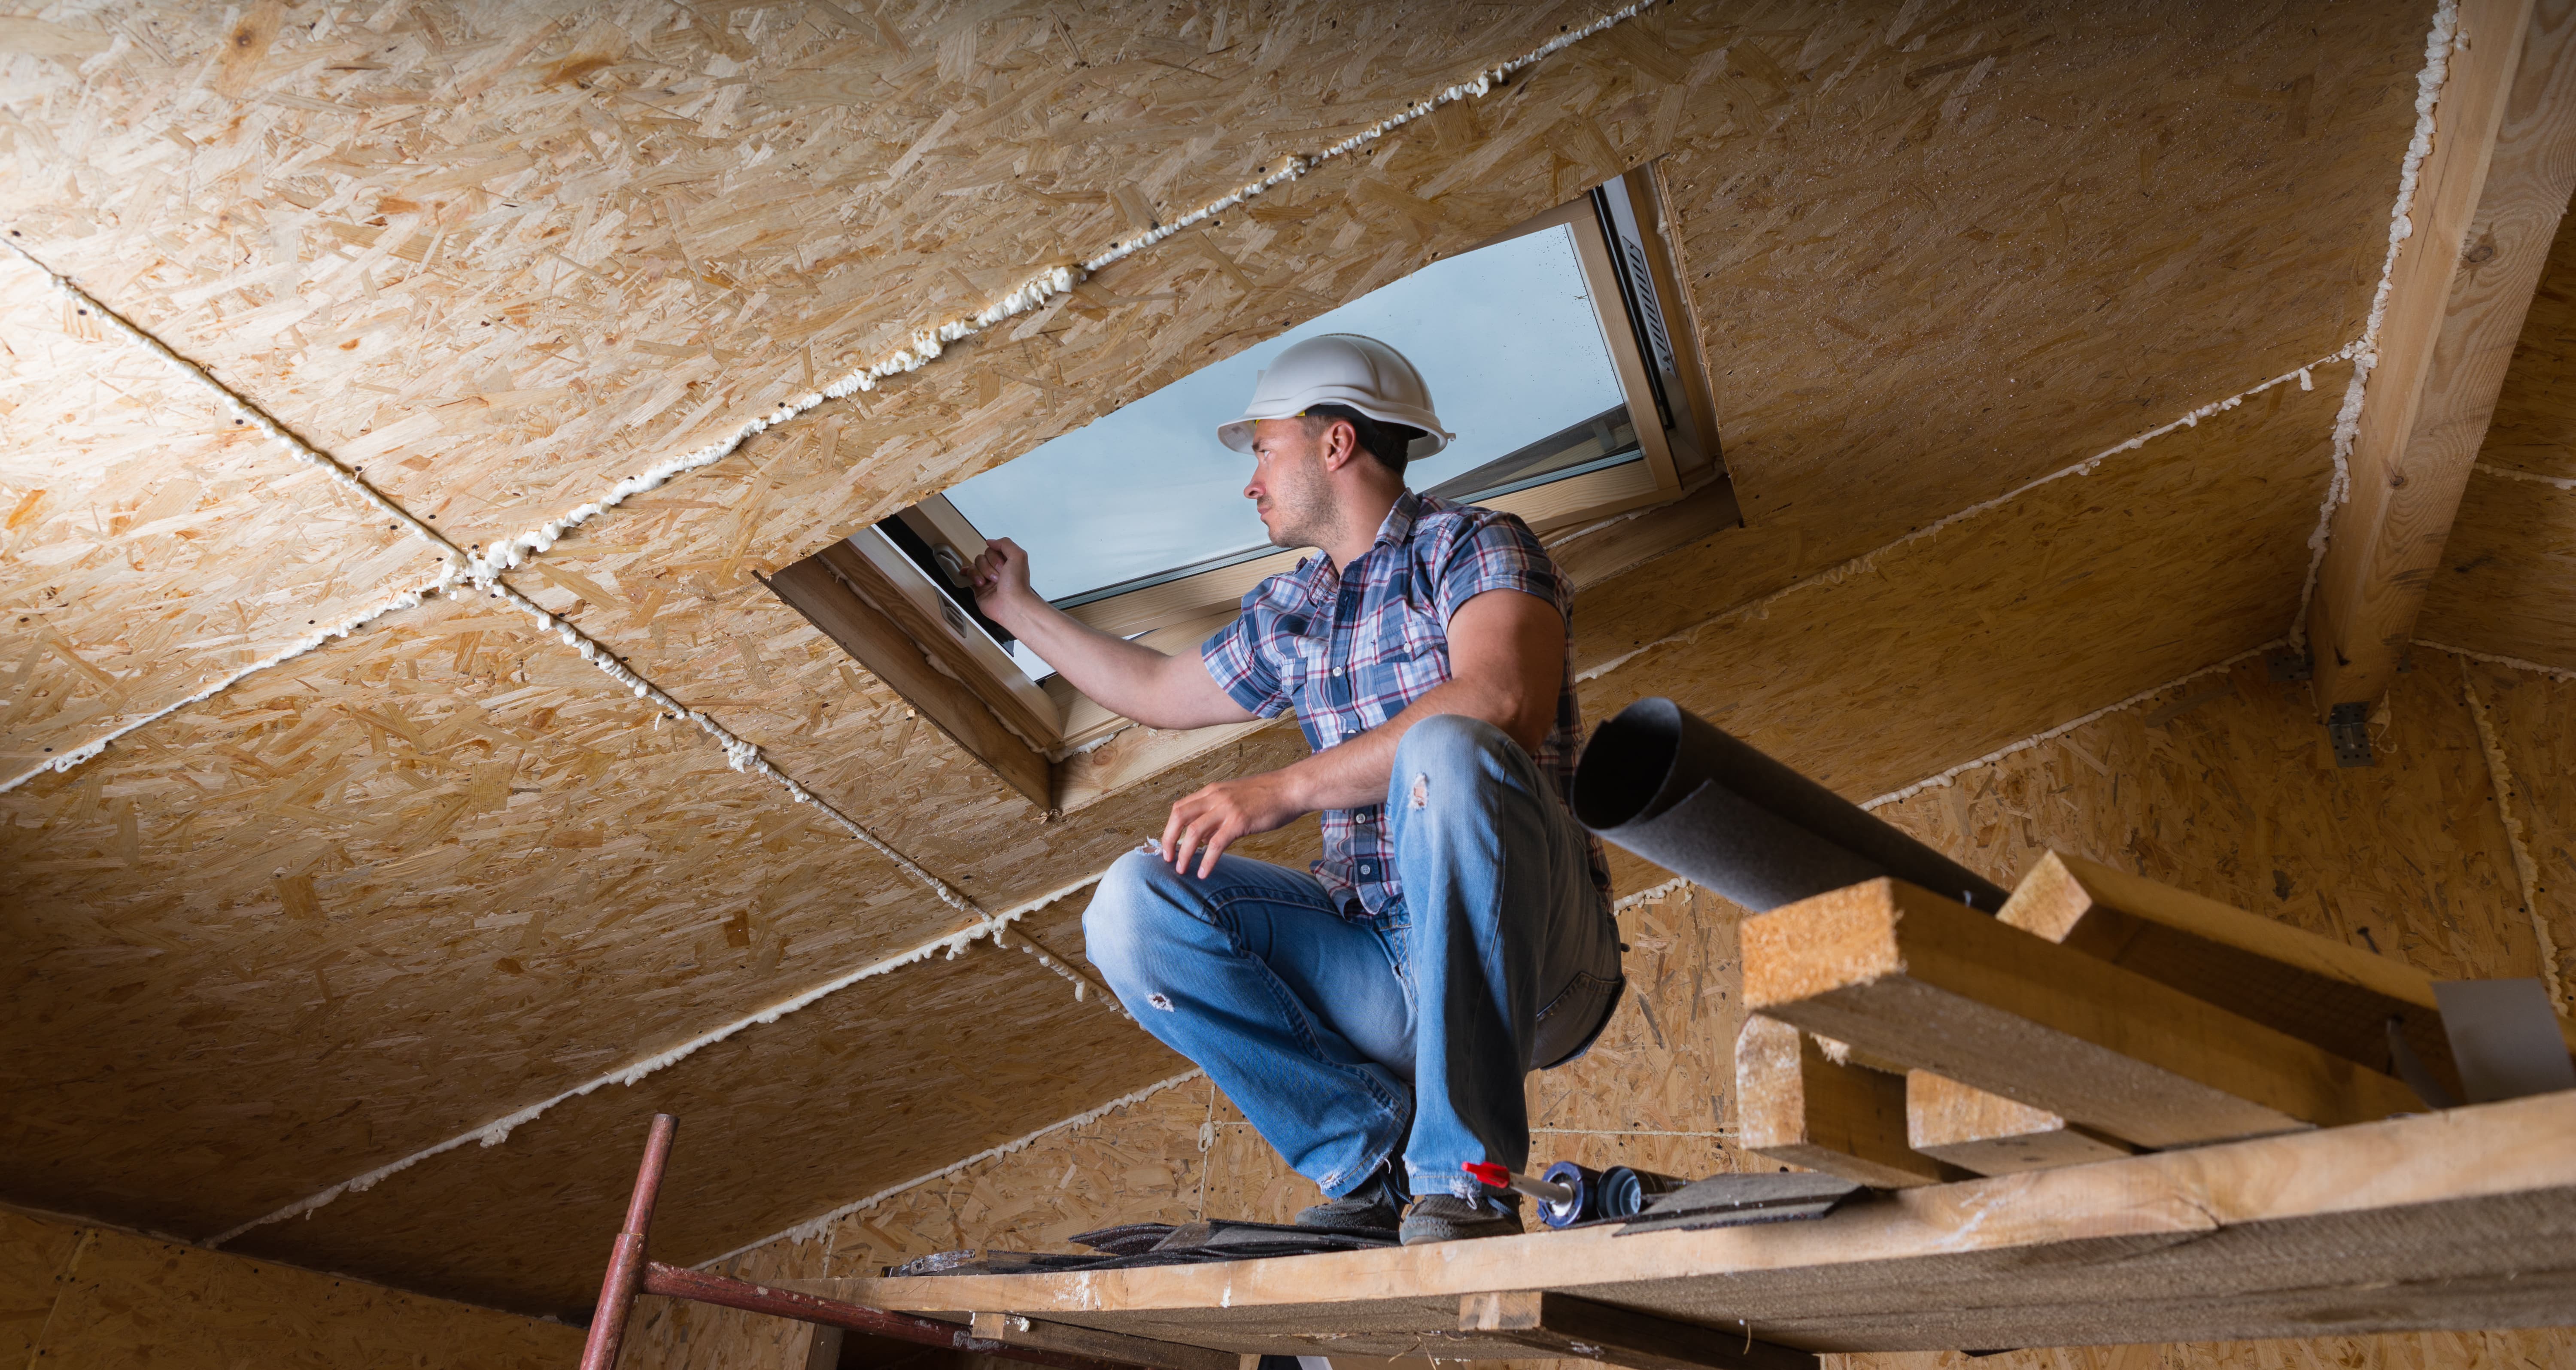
2534	428
2242	1239
1988	1134
149	545
90	1296
2505	585
2486	207
1937	986
440	871
1797	1105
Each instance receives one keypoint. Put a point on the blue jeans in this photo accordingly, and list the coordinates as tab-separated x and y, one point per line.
1350	1041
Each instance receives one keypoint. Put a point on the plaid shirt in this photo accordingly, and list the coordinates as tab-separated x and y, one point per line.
1349	651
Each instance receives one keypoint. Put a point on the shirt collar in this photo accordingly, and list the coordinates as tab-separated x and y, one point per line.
1317	570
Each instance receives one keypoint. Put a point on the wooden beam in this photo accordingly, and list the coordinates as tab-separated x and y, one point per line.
2487	203
2317	989
1011	1329
1795	1104
1909	975
1992	1135
1554	1324
894	656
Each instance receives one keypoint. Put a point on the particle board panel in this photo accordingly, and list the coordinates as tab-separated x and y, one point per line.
2024	616
2531	714
2507	573
149	544
2534	428
430	874
2225	786
779	1124
2026	233
508	255
131	1300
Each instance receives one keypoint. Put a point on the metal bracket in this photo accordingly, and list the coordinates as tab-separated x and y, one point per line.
2348	726
2287	665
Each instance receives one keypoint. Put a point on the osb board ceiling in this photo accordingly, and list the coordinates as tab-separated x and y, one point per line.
2507	584
152	547
1930	255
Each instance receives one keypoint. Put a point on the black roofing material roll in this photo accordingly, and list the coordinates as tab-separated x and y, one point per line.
1676	790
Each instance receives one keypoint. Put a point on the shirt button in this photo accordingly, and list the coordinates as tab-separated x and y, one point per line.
1337	670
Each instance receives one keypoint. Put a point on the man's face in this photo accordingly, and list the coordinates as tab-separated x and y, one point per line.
1288	485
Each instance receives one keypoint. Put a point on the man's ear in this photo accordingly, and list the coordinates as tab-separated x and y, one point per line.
1341	444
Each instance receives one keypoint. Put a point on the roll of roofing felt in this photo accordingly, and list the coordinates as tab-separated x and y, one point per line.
1676	790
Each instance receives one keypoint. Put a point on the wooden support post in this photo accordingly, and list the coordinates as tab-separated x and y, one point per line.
1906	974
1562	1325
1011	1329
1992	1135
1797	1105
2317	989
2487	203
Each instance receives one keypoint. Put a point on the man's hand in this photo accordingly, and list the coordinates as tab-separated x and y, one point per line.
1000	579
1213	817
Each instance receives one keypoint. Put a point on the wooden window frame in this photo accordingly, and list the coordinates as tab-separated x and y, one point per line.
1043	738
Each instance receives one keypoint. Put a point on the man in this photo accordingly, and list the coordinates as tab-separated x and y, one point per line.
1374	1018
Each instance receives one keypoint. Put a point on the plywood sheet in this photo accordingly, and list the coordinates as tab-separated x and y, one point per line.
2506	585
433	873
2534	428
508	255
2063	601
778	1125
2532	716
129	1300
150	545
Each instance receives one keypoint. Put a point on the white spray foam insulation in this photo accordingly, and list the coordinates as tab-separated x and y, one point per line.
499	1129
2062	729
2526	871
2365	353
2515	662
2486	468
926	343
817	1226
1868	561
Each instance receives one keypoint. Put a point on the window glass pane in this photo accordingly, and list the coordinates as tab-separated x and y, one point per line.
1507	338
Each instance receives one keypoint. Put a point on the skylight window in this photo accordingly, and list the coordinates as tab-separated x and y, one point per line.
1542	348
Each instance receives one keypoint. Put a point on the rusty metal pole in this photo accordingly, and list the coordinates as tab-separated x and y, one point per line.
626	1258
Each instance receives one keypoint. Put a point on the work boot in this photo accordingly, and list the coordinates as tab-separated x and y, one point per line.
1448	1218
1376	1205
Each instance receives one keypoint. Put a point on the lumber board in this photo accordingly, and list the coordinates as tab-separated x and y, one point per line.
870	631
2463	1219
2317	989
1907	974
1796	1104
2487	205
1556	1324
1992	1135
1011	1329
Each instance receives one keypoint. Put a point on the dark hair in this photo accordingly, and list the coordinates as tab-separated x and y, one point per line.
1390	443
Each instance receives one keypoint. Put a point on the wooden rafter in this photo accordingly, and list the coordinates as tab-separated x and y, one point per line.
2487	204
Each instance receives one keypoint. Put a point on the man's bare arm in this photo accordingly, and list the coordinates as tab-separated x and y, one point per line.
1155	689
1506	662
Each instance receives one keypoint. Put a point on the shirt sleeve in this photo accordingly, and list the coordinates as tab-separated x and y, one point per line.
1498	553
1237	664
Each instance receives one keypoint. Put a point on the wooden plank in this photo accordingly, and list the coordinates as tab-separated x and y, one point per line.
2487	204
1909	975
1992	1135
1033	721
1557	1324
1011	1329
881	645
2314	988
1795	1104
2463	1220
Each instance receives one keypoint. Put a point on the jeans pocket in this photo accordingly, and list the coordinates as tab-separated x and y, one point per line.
1573	1020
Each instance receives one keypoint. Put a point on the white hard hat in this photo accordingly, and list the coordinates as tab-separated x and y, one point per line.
1342	368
